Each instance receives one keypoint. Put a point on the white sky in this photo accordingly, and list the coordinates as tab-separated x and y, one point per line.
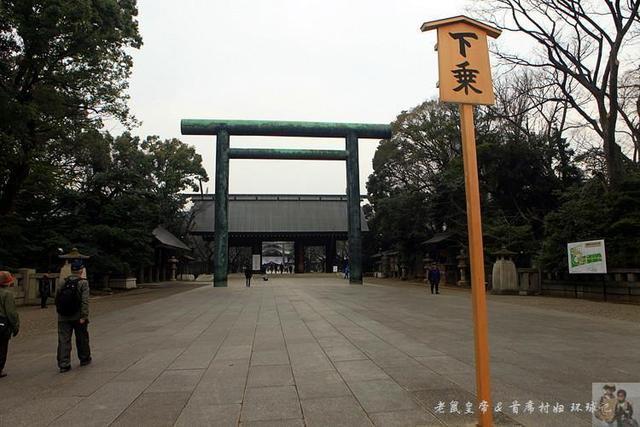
311	60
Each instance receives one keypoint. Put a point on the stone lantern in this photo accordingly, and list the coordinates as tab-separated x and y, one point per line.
426	264
173	266
504	279
463	259
74	254
384	265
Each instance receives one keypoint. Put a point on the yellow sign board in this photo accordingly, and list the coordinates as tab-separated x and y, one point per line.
463	60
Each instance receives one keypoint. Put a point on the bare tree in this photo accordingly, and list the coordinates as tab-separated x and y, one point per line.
581	49
239	257
529	103
630	107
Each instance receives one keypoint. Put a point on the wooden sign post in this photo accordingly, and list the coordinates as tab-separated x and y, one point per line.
465	78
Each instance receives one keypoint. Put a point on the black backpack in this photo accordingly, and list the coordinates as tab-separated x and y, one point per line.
5	327
68	299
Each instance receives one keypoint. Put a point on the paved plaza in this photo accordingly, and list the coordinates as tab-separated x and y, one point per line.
313	350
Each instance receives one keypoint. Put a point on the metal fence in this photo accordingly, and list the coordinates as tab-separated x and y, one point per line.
620	285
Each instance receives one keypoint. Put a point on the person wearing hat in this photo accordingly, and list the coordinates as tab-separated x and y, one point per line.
606	409
9	318
72	305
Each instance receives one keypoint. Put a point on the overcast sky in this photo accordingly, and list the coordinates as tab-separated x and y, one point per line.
311	60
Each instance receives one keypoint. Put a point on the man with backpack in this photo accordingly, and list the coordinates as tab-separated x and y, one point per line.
72	304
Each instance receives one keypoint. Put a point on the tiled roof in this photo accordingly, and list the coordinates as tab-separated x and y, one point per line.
277	214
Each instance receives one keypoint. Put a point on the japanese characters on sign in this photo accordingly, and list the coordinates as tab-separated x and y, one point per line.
587	257
463	60
465	73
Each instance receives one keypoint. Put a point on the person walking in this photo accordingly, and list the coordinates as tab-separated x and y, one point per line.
44	286
9	318
72	304
434	279
247	276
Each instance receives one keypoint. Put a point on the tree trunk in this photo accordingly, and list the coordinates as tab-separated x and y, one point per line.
613	155
18	175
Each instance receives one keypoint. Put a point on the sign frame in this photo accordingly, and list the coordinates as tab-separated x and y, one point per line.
464	69
578	254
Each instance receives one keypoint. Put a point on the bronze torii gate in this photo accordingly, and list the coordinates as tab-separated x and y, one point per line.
223	129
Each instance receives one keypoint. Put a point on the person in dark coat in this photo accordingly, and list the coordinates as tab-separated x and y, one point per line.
44	286
247	276
434	279
624	411
9	318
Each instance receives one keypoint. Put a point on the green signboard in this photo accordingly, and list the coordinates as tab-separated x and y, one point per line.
587	257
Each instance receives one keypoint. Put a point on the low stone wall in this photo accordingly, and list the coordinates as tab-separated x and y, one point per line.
620	285
123	283
528	281
26	288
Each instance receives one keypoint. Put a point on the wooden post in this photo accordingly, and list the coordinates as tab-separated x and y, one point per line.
476	257
464	72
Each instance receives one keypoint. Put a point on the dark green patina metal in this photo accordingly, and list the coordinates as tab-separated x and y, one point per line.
221	240
353	211
224	128
286	154
273	128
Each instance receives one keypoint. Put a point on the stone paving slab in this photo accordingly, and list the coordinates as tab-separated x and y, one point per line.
360	370
313	350
270	403
153	409
23	414
195	414
269	376
313	385
405	418
104	406
334	411
382	396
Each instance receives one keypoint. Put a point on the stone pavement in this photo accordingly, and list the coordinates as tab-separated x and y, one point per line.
35	321
311	350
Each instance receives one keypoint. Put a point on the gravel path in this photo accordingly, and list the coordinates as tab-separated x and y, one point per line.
596	309
36	321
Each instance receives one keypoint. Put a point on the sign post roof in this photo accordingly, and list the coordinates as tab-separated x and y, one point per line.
488	29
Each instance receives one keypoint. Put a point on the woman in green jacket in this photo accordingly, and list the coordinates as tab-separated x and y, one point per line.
9	319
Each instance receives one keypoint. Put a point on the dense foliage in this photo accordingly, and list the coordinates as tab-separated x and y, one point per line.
63	69
106	201
534	197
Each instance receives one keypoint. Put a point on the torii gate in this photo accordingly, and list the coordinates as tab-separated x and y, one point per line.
223	129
